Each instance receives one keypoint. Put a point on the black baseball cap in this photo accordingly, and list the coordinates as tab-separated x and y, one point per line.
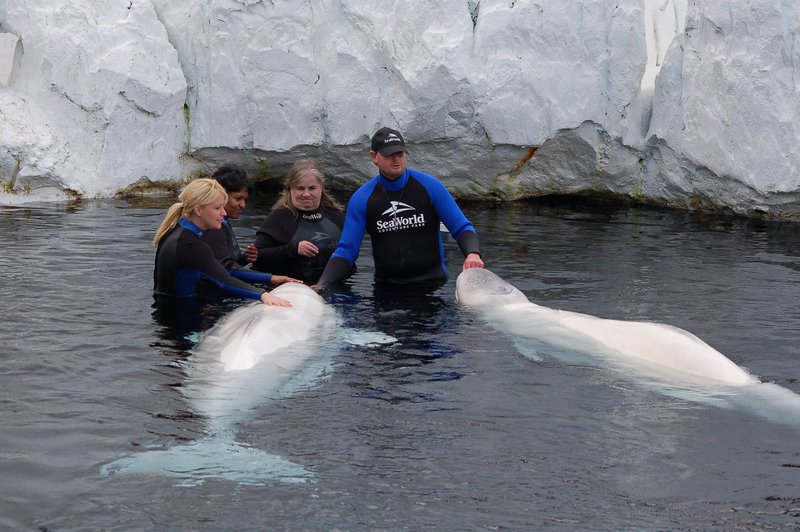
387	141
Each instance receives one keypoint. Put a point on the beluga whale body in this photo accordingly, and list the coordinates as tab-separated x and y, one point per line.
256	354
668	359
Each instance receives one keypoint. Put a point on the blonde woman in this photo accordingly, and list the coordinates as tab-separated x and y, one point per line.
183	260
303	229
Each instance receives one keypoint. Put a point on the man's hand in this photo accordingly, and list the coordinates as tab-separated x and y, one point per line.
473	260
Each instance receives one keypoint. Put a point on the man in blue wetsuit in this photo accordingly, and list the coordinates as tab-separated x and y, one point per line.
401	209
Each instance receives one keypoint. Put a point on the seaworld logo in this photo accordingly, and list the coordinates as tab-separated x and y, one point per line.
396	208
324	241
397	222
321	237
401	222
391	138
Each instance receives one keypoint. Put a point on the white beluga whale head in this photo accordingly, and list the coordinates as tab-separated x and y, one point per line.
479	286
252	333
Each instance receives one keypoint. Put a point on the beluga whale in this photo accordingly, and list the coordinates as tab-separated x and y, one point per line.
657	356
254	355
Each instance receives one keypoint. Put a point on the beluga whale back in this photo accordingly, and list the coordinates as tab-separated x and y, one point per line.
669	359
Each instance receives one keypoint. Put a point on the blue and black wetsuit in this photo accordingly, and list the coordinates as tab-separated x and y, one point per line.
402	218
283	230
225	247
183	260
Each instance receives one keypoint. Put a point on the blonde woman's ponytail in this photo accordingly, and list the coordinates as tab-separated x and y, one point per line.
170	220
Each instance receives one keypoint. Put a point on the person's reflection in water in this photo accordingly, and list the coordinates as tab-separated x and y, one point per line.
419	318
414	314
180	321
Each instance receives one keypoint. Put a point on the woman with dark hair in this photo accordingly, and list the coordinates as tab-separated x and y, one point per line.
223	241
301	232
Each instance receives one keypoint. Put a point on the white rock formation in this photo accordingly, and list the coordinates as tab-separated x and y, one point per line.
725	117
97	100
691	103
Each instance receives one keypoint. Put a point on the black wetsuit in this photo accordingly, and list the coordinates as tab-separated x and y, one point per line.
282	231
402	217
183	260
225	247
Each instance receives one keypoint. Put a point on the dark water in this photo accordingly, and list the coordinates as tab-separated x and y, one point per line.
450	428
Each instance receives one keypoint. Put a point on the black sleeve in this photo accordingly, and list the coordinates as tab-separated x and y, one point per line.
468	243
200	257
336	270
